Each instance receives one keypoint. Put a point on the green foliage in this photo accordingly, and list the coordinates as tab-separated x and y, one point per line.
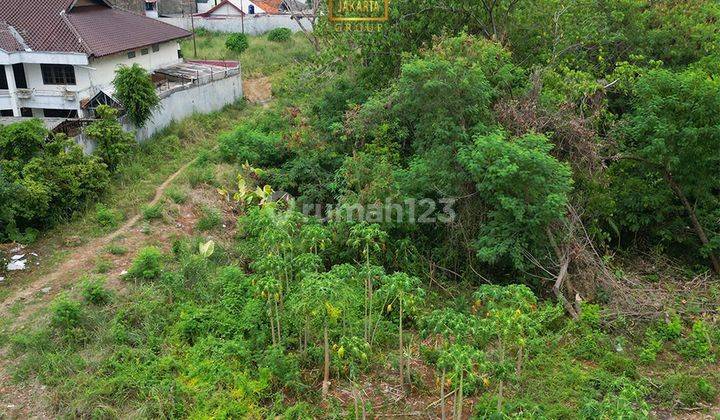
136	93
66	313
177	195
114	145
670	139
44	182
247	144
211	219
106	217
93	291
279	35
148	264
526	189
699	342
152	212
237	43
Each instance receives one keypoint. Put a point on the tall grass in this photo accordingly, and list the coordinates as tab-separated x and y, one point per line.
262	58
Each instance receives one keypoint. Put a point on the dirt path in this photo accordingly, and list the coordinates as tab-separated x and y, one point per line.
79	262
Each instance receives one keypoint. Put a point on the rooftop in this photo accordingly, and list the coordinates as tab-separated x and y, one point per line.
91	27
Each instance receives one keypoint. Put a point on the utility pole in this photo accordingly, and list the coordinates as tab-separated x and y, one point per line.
242	17
192	24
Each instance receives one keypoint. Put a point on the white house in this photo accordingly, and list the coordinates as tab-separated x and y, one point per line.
238	8
57	55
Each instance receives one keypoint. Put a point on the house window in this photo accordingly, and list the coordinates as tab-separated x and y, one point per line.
60	113
6	112
3	79
149	6
57	74
156	47
131	54
251	9
144	51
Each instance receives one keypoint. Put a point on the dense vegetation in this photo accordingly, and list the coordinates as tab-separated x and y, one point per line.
567	271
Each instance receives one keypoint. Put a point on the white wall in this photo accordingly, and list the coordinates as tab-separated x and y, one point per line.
254	24
203	99
97	75
101	71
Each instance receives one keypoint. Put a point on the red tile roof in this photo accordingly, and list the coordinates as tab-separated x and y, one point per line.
269	6
96	30
8	41
108	31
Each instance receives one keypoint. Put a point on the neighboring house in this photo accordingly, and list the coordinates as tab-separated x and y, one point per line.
57	56
237	8
161	7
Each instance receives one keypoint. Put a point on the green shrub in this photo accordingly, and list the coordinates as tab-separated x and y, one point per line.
200	175
177	195
690	391
246	144
103	265
147	264
94	291
237	43
279	35
116	249
106	217
42	185
114	145
152	212
698	344
210	220
136	92
66	313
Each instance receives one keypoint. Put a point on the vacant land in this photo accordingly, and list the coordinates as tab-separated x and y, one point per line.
567	278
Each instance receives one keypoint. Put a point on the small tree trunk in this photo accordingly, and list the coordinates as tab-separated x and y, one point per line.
355	402
699	231
519	361
277	318
326	368
460	398
402	377
442	395
272	325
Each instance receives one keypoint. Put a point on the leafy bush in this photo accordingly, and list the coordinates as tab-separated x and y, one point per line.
44	180
107	217
699	343
66	313
210	219
246	144
94	291
177	195
114	145
147	264
279	35
237	43
152	212
136	92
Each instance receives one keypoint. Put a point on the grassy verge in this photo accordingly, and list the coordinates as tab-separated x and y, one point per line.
262	58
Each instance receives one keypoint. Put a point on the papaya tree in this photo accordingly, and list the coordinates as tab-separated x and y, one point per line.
369	240
403	292
324	298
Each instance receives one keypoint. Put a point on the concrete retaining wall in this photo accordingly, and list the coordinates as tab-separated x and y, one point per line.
254	25
188	100
181	103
